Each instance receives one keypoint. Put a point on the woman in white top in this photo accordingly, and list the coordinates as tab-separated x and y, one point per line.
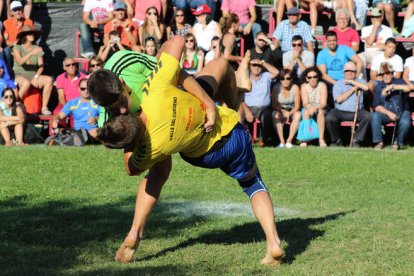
314	95
205	28
408	73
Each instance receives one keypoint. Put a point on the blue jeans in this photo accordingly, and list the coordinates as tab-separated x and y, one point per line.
86	33
379	119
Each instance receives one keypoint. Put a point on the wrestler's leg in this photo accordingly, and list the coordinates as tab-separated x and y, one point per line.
174	47
148	193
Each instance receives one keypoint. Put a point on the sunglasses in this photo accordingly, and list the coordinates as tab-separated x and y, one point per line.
18	9
70	64
82	88
286	78
189	40
256	65
353	71
386	73
9	97
120	10
154	13
292	15
297	44
179	15
376	16
96	64
312	77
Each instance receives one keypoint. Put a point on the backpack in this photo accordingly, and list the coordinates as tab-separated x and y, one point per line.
67	137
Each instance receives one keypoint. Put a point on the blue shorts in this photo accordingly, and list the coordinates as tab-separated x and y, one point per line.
236	157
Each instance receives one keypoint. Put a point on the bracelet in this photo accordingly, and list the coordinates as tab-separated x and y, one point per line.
36	76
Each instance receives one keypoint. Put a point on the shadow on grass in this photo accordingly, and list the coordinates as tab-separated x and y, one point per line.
56	236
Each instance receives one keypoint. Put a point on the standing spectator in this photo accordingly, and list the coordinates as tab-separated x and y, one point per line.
205	28
214	50
178	25
141	9
374	37
150	47
29	65
345	97
127	29
12	27
258	101
291	27
298	59
346	35
96	13
390	56
266	50
12	118
286	105
246	11
389	7
67	83
84	110
332	59
314	96
230	25
152	26
95	64
390	105
192	59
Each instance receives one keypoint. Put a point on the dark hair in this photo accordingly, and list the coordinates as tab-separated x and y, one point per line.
308	70
82	80
259	33
145	24
297	37
215	38
331	33
391	40
284	72
114	32
227	20
11	90
120	131
97	60
173	23
105	89
150	38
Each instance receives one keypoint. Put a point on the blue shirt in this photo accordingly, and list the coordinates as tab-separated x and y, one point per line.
6	81
396	102
81	112
260	94
284	33
349	104
335	63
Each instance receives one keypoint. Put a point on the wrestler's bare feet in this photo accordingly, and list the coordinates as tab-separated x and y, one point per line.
242	74
273	256
127	249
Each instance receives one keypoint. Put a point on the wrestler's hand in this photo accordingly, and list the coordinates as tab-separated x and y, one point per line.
211	114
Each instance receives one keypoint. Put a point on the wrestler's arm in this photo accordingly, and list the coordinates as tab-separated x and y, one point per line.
131	170
191	86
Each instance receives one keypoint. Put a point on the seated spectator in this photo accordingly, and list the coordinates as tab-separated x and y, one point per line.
298	59
27	7
12	118
374	37
12	27
246	12
95	15
95	64
258	101
192	59
390	56
389	7
205	28
356	10
29	65
345	94
331	60
150	47
84	110
194	4
286	105
127	29
290	27
152	26
67	83
390	105
178	25
229	25
408	30
314	96
141	9
266	50
214	50
346	35
112	46
408	73
5	80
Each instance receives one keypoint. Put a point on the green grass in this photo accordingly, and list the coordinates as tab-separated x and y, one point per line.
338	211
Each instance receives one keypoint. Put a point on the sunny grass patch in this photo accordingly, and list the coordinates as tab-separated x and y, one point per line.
66	210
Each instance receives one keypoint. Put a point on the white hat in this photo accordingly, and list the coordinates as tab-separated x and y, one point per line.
16	5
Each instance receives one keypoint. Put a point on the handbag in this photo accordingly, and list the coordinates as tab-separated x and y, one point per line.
308	130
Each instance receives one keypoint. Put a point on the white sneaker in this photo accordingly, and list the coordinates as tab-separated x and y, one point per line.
289	145
88	55
281	146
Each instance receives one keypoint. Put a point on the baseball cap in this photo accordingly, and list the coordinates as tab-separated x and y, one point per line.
375	12
16	5
202	9
350	66
292	11
119	5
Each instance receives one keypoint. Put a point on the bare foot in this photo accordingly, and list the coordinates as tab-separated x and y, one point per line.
273	256
242	74
9	144
127	249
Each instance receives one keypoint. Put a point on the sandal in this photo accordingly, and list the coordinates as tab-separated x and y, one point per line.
379	146
322	144
303	145
395	147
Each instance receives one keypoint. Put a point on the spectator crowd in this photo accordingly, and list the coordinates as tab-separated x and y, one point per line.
353	75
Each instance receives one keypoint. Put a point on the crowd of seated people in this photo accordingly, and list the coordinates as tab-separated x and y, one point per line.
292	78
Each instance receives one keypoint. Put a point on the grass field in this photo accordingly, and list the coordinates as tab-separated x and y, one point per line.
338	211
